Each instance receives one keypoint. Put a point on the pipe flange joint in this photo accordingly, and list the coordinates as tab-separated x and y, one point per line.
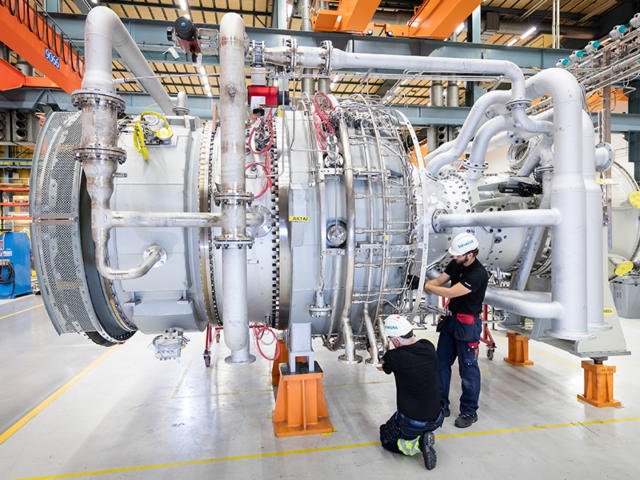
82	98
434	221
163	255
257	49
233	198
83	154
233	241
328	54
611	157
547	167
316	311
264	228
474	166
292	45
518	103
181	111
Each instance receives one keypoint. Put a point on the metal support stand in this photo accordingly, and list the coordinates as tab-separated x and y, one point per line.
518	350
301	408
598	384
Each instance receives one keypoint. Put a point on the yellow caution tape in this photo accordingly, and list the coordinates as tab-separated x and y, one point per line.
634	198
298	219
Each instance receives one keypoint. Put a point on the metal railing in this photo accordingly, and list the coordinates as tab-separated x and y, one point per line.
33	15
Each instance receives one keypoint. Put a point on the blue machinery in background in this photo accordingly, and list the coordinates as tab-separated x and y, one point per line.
15	265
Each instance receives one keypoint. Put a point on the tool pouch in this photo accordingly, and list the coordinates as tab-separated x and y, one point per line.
466	328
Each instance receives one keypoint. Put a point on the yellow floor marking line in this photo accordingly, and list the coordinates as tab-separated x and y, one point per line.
315	450
186	370
21	423
26	309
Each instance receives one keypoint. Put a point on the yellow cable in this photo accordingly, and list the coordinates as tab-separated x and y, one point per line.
138	133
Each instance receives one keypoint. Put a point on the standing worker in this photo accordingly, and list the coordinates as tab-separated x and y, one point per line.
414	363
460	330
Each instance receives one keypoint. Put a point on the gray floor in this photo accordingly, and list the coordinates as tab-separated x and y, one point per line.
131	416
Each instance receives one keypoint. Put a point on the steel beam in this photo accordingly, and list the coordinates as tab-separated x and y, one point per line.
151	37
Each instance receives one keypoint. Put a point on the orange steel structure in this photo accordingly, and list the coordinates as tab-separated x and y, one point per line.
29	31
11	77
435	19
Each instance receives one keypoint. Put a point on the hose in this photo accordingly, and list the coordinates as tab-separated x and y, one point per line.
258	332
8	279
163	133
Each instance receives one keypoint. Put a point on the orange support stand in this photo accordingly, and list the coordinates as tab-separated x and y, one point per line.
301	408
598	384
518	350
282	358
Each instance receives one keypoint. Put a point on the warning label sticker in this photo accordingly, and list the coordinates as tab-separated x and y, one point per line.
298	219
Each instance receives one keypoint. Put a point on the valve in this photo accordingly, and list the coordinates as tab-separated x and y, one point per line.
576	56
592	46
635	21
617	32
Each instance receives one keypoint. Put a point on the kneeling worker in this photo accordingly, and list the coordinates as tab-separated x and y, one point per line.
460	331
414	364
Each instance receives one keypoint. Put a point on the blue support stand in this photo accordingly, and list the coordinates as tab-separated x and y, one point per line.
15	265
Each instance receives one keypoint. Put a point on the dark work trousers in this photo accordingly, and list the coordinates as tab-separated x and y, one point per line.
400	426
450	347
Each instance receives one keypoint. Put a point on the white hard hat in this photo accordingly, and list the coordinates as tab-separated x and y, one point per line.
396	326
463	243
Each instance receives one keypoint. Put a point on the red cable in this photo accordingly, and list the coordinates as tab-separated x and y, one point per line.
258	332
270	139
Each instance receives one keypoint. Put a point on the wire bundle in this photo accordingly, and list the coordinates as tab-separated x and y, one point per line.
267	159
8	279
322	120
258	332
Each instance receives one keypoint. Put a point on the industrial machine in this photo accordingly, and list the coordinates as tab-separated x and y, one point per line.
313	212
15	265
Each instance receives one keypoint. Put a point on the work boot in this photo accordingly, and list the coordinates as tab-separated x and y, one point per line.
446	411
428	452
464	421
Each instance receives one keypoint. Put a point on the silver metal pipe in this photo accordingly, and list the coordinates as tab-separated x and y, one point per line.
308	83
385	339
541	155
512	218
232	134
349	356
436	94
568	195
371	335
103	31
594	232
117	219
531	250
532	308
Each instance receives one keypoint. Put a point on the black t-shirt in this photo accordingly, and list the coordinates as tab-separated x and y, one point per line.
476	279
416	370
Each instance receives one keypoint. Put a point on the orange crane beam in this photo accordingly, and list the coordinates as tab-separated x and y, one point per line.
435	19
11	77
351	16
36	38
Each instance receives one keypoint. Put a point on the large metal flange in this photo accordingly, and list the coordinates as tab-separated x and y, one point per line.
233	198
80	98
100	153
474	166
233	241
434	221
518	103
328	46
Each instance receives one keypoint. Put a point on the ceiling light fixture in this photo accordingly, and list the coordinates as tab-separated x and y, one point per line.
514	40
183	5
335	79
333	85
289	10
460	28
528	33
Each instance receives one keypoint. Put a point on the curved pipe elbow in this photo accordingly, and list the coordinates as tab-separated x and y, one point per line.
156	253
533	308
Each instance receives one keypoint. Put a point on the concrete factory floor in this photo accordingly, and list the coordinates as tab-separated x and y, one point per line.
120	413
